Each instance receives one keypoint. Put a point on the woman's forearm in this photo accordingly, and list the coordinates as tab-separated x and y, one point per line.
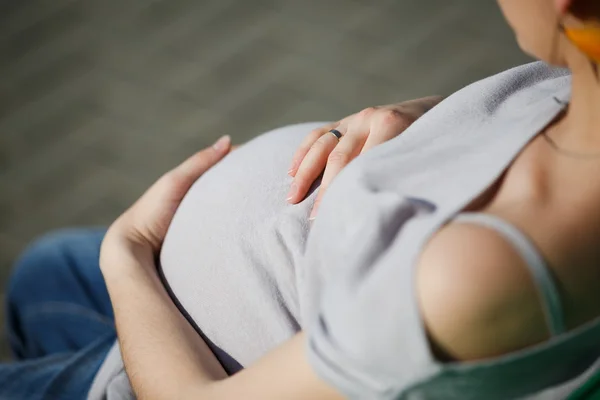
164	357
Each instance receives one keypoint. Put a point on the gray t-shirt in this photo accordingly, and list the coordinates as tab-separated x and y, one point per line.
249	271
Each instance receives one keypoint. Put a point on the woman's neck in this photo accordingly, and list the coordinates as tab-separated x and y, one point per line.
580	129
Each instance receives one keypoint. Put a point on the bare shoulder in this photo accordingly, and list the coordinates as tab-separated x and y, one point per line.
476	295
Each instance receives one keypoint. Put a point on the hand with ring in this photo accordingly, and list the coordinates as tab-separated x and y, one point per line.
329	149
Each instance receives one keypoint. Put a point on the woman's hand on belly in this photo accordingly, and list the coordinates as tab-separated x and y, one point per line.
163	355
147	221
323	149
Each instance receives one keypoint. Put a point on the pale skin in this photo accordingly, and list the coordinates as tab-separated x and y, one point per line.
489	294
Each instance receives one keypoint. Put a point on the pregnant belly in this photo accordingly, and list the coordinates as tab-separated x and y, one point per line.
232	253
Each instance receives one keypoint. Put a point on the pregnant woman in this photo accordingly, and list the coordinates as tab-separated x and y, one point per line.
457	261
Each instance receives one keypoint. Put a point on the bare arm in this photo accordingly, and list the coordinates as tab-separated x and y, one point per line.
162	353
166	359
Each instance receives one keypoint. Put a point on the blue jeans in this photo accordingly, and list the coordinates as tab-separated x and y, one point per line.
59	318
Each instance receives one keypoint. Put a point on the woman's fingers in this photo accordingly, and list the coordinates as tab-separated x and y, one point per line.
306	145
173	185
388	124
191	169
340	156
151	215
312	166
368	128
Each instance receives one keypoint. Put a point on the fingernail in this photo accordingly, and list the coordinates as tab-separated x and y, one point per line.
222	143
293	191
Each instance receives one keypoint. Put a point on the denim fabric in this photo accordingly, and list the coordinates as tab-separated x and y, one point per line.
59	323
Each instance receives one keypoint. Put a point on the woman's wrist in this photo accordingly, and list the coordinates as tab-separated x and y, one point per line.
123	252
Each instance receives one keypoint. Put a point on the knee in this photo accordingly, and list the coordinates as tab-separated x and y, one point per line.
45	260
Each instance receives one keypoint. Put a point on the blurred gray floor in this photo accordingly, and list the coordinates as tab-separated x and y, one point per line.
99	97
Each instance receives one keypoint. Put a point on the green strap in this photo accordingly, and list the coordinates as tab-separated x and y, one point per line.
589	391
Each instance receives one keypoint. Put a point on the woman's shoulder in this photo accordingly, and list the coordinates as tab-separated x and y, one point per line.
476	294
